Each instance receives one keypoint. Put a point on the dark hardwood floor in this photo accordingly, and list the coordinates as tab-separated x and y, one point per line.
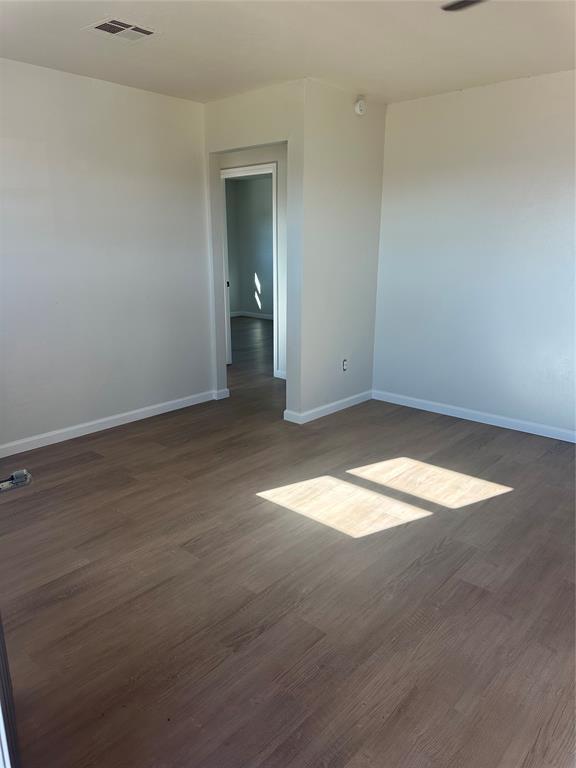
252	357
159	613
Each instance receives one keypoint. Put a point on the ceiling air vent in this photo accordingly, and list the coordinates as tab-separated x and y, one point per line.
121	30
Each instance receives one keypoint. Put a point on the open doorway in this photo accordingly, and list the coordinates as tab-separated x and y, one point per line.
251	264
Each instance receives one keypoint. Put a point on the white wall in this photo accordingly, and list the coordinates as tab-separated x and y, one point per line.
342	193
334	182
106	287
250	244
104	284
476	276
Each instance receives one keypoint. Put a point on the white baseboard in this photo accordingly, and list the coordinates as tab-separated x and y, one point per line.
259	315
67	433
304	417
531	427
278	374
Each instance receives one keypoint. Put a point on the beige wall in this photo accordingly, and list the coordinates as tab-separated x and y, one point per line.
104	284
476	280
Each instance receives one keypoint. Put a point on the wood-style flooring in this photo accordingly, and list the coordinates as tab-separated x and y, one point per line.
170	603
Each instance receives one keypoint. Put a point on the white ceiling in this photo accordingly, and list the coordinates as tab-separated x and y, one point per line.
206	50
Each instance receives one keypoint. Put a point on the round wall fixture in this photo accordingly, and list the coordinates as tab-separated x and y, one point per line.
360	105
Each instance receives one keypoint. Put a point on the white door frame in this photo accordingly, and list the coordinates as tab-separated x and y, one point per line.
4	751
241	172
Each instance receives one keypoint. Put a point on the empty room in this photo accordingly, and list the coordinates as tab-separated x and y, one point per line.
287	384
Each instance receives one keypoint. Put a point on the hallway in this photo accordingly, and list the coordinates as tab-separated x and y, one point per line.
251	351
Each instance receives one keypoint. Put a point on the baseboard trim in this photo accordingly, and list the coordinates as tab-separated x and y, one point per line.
278	374
533	428
304	417
68	433
87	428
259	315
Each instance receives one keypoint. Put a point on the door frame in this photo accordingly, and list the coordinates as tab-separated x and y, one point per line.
9	757
240	172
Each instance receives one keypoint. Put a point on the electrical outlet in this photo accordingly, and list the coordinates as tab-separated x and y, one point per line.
345	364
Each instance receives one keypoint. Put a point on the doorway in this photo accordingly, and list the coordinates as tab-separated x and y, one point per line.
251	273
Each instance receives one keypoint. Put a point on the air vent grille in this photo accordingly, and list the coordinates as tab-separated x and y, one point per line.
121	30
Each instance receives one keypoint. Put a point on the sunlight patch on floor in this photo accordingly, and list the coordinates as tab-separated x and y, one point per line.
426	481
346	507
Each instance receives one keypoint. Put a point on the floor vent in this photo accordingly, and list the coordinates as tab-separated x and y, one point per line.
121	30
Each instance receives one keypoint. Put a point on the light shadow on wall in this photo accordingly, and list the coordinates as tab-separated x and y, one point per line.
258	291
